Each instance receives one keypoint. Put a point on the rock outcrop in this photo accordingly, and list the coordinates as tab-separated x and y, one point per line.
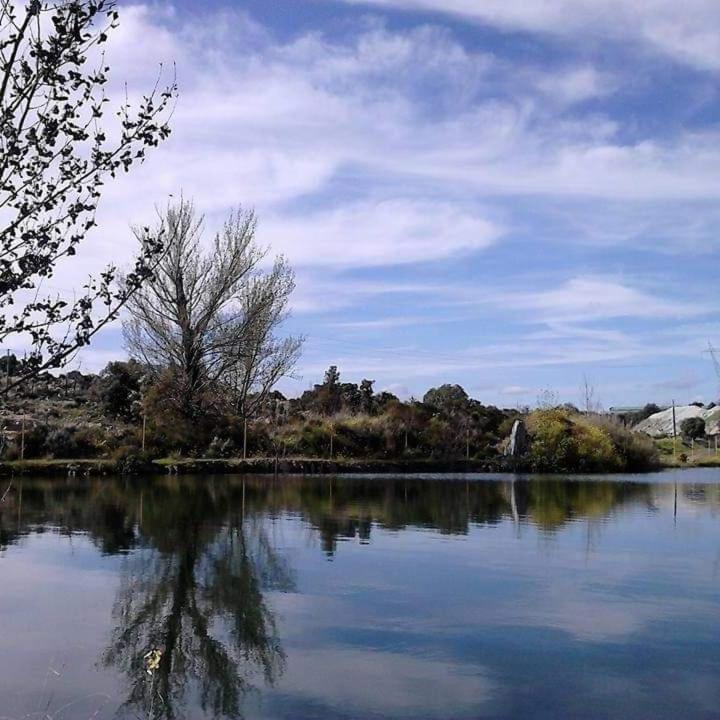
519	441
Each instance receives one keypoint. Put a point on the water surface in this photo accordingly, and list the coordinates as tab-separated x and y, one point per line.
480	597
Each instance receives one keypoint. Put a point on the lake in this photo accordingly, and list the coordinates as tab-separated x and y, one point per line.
366	597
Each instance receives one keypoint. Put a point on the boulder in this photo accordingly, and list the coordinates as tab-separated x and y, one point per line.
519	441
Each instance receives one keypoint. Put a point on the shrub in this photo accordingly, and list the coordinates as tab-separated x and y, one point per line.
60	443
553	447
34	441
119	389
564	443
693	428
130	460
636	451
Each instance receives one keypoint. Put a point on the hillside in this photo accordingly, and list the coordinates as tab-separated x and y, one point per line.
661	424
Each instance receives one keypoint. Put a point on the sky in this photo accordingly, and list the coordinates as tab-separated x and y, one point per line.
513	195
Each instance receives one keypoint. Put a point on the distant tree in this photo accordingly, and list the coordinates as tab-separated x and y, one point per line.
367	396
384	399
119	389
447	398
590	402
548	400
55	156
650	409
637	417
693	428
9	365
332	376
328	397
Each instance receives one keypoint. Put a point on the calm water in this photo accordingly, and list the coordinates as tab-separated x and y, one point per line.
362	598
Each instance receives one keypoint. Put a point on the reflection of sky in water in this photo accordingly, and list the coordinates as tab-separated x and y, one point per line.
611	612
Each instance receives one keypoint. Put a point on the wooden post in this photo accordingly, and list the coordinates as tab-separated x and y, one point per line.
22	439
692	449
674	429
144	430
7	368
467	445
332	435
244	438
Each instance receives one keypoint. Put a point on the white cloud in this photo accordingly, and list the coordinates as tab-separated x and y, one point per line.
589	298
688	31
390	232
575	85
516	390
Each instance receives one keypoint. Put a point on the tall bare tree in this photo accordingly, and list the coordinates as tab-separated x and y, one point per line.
211	317
256	357
55	156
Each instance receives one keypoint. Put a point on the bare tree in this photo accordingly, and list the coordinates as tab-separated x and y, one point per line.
211	317
256	357
590	402
55	156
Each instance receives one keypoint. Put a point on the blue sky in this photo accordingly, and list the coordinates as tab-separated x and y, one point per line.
506	194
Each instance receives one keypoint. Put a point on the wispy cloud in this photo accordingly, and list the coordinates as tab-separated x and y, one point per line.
688	32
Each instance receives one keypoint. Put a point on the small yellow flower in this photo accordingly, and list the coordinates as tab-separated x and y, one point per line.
152	661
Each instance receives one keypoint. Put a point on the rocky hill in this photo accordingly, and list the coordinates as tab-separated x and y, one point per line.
661	424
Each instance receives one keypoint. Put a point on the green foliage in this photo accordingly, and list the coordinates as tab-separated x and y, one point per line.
119	389
60	443
553	448
131	460
693	428
448	399
562	442
644	414
636	451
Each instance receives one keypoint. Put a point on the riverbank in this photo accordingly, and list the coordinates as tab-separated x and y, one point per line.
256	466
291	466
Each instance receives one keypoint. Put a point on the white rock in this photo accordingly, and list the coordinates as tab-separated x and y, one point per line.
661	424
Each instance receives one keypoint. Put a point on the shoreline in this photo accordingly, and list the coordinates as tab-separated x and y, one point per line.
286	466
254	466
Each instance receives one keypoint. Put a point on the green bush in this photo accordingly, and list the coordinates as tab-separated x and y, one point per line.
131	460
561	442
693	428
60	443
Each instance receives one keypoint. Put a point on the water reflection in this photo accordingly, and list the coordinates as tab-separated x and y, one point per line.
199	601
120	515
200	574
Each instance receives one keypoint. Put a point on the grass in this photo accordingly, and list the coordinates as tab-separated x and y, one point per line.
699	456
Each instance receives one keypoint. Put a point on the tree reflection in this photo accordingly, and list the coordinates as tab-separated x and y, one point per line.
196	595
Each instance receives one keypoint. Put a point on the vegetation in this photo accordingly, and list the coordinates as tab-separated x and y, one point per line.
55	156
693	428
205	326
122	416
563	441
